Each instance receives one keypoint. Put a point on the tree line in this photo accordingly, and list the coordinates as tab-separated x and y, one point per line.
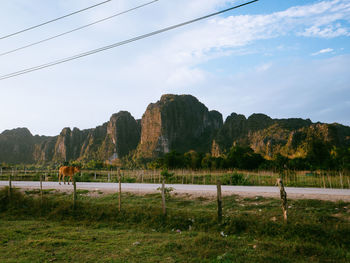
318	157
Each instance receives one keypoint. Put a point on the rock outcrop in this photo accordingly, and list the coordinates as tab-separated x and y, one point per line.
289	137
17	144
113	139
177	122
123	133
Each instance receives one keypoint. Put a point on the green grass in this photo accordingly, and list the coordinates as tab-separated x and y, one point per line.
252	230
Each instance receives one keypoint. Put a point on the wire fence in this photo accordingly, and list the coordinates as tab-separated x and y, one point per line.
221	208
320	179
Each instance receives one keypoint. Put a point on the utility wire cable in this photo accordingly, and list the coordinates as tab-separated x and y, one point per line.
94	51
54	20
77	29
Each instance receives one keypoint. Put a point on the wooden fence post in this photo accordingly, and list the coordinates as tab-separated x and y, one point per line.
10	186
341	179
41	188
324	181
163	196
120	191
219	199
74	193
329	181
283	197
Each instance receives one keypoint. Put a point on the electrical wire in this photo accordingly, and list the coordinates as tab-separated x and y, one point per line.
53	20
94	51
77	29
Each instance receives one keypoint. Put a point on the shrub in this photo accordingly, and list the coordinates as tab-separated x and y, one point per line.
234	179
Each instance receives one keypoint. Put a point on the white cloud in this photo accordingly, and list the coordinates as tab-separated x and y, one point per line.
317	20
329	31
323	51
184	77
263	67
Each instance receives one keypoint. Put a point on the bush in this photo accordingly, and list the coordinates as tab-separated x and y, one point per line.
234	179
129	180
85	177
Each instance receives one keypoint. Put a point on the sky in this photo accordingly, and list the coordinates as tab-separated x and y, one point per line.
286	59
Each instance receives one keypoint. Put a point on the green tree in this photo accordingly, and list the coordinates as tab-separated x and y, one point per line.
318	154
243	158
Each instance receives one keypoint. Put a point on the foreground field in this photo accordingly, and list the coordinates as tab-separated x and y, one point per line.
252	230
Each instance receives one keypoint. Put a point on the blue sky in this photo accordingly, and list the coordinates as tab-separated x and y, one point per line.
282	58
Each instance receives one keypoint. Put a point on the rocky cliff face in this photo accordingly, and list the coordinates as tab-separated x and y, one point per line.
113	139
44	151
177	122
123	133
289	137
16	145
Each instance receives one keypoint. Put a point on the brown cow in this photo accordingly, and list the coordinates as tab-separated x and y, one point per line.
67	171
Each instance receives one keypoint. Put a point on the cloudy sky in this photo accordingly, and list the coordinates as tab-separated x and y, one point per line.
287	58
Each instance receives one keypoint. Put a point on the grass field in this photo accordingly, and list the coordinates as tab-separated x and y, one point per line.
252	230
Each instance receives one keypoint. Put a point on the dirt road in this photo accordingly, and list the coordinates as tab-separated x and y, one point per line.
196	190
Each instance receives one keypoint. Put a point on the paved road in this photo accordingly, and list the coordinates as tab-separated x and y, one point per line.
199	190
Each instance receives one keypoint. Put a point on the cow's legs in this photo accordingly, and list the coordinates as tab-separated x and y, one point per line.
59	178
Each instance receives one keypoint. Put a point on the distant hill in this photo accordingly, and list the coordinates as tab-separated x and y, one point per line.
175	122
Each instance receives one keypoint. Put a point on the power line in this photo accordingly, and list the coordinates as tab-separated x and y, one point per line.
53	63
54	20
76	29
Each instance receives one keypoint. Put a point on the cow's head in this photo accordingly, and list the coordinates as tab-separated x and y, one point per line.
76	169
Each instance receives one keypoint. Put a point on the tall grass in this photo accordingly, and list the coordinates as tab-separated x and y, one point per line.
317	231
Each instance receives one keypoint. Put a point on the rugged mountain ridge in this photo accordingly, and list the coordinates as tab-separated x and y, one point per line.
175	122
267	136
114	139
17	145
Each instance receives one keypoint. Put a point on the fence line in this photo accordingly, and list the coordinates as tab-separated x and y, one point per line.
322	179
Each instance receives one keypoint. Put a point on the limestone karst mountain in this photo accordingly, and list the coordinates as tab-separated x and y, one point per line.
175	122
115	138
289	137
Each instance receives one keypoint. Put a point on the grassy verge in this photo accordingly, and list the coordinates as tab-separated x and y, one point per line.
252	230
